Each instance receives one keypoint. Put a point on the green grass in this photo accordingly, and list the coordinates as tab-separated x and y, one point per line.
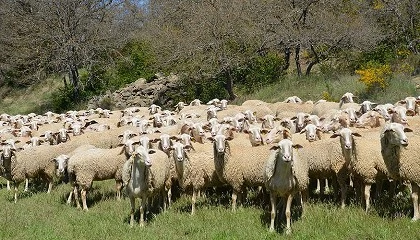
38	215
314	87
36	98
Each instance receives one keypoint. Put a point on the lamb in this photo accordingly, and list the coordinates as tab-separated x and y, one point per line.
195	169
145	176
401	160
95	164
285	174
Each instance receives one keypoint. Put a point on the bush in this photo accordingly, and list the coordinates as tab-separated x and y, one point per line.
375	76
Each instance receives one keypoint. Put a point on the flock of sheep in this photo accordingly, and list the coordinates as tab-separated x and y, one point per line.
277	147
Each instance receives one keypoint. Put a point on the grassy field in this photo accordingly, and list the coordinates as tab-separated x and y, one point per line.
38	215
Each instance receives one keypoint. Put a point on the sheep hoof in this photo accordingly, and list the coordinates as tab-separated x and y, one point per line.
414	219
271	229
288	231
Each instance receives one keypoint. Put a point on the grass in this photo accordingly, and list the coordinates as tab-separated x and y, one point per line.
38	215
36	98
318	87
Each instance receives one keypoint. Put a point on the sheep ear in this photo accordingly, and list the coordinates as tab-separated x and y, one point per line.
297	146
408	130
229	138
211	139
152	151
264	131
335	135
303	131
274	147
356	134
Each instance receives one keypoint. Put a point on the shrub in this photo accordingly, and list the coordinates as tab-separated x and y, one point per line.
374	76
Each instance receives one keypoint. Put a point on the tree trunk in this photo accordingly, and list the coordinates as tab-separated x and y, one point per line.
74	78
312	63
297	60
229	85
286	58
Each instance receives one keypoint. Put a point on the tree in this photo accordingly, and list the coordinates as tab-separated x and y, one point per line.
61	36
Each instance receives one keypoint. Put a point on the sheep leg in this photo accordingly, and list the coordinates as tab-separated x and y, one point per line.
234	198
118	186
193	200
169	197
16	191
343	186
49	186
8	185
288	206
83	193
318	186
141	209
415	198
70	196
26	185
133	206
367	195
273	200
76	196
164	196
326	189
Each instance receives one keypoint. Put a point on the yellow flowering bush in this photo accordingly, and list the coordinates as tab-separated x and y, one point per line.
375	76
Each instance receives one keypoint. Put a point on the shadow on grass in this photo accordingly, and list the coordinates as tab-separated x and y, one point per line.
296	212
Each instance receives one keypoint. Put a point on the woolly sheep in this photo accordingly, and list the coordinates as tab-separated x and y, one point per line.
195	169
95	164
366	163
401	158
285	174
145	175
31	163
330	158
238	164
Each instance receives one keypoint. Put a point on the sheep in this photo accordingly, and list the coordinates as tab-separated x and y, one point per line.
195	169
401	159
330	158
293	99
285	175
324	109
145	176
370	119
346	98
383	110
366	106
95	164
411	104
23	166
238	164
367	165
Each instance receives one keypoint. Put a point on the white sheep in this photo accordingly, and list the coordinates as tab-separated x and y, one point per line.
401	158
238	164
31	163
195	169
145	176
95	164
286	174
330	158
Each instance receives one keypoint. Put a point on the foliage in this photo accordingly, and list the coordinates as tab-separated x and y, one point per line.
136	61
259	72
375	76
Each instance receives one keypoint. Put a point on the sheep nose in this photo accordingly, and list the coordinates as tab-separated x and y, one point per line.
348	146
287	158
404	142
